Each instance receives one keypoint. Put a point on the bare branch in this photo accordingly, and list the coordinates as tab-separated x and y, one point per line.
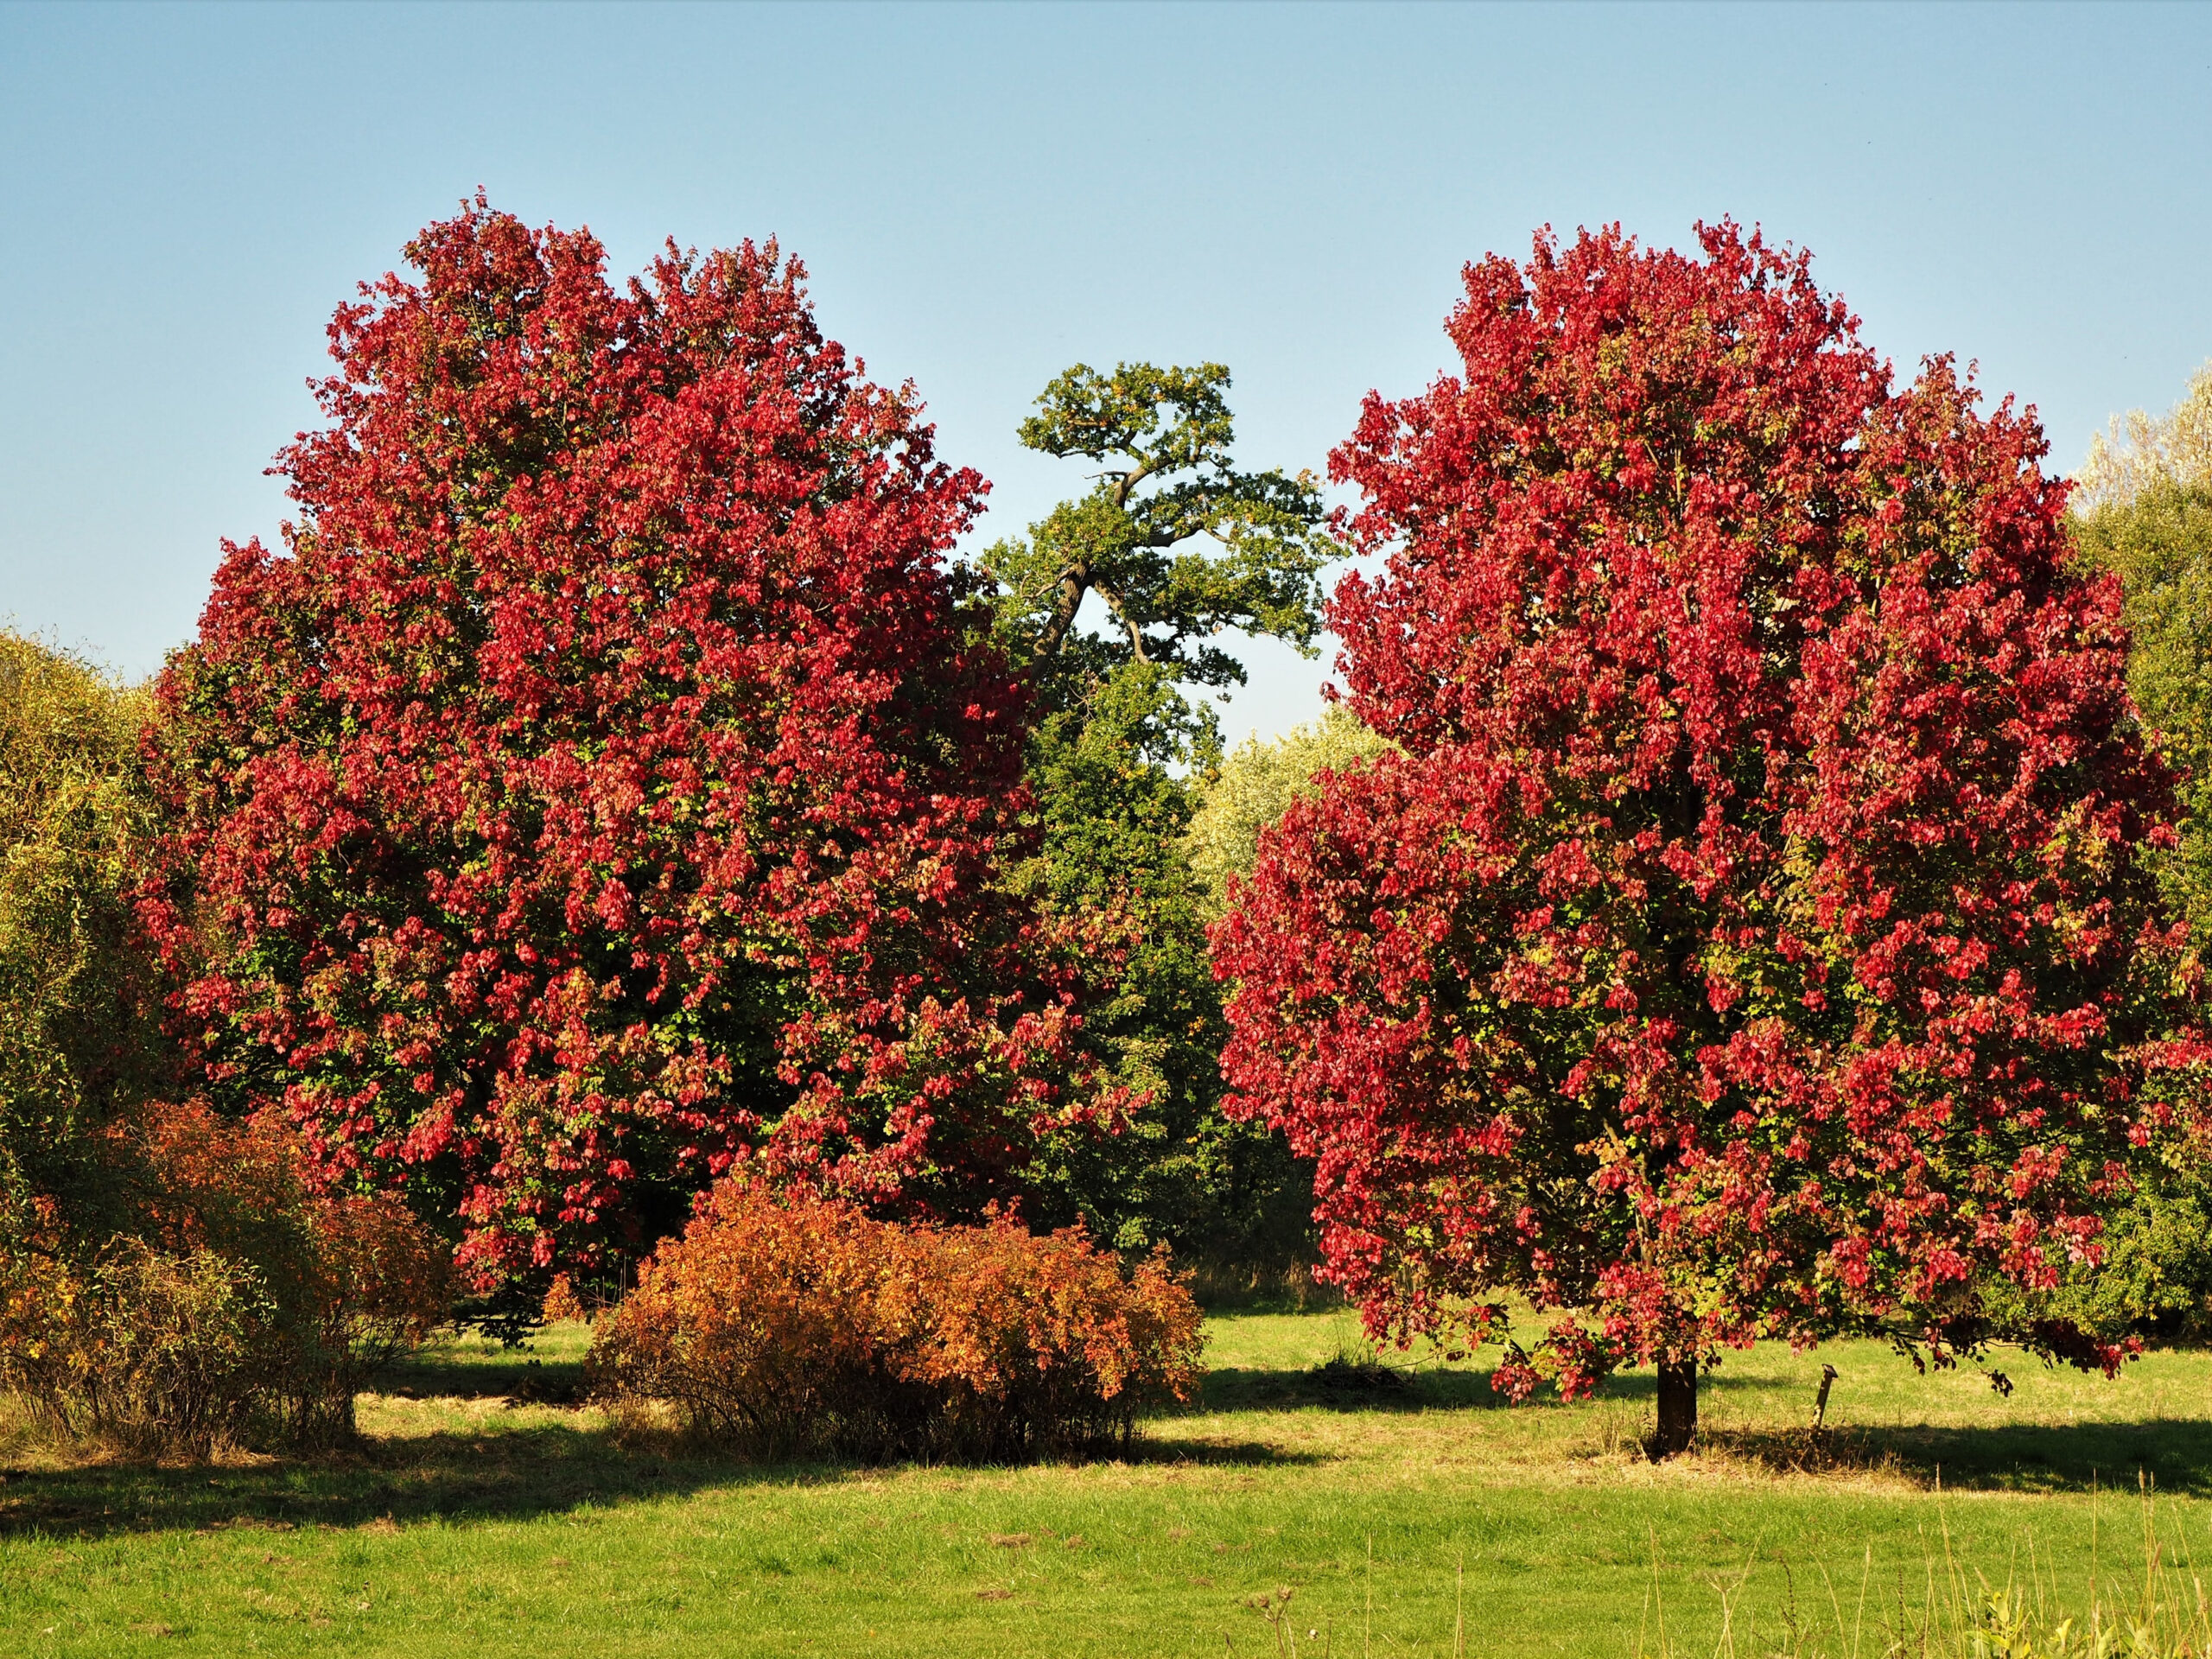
1124	482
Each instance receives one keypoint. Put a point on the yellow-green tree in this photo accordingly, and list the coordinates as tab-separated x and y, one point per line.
1256	785
167	1280
2141	452
2142	508
80	1000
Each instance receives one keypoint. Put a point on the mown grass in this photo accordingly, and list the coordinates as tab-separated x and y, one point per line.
484	1518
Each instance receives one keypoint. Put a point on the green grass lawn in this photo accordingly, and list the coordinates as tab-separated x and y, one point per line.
474	1525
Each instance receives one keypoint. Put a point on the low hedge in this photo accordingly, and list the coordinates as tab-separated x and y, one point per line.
796	1324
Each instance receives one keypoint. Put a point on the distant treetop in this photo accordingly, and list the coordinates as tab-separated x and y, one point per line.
1163	438
2143	450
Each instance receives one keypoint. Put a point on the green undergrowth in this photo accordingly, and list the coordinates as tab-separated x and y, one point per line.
1392	1495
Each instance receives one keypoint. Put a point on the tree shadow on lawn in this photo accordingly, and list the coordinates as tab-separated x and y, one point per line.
1339	1386
515	1374
2174	1455
503	1475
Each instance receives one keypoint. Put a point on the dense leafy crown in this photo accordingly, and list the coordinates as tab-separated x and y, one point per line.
603	784
1751	936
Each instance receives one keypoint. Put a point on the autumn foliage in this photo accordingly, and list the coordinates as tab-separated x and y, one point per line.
169	1280
231	1303
793	1323
1753	935
602	786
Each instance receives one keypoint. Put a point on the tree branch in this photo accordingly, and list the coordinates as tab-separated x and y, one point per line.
1136	634
1124	482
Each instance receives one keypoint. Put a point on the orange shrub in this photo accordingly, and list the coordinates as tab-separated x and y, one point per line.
1044	1339
236	1303
352	1281
796	1324
769	1323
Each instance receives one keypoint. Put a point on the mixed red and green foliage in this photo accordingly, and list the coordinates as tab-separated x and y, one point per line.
603	785
795	1323
1753	933
1751	912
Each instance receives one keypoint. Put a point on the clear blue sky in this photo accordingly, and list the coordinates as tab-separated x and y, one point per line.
985	194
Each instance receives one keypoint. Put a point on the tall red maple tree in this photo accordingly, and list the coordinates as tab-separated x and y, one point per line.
602	785
1753	936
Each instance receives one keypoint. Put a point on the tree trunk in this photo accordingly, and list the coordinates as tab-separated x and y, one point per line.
1074	583
1677	1408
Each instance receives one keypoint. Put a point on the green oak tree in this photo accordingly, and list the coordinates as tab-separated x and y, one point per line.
1177	544
1115	602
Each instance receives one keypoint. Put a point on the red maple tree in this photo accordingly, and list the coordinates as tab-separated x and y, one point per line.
603	784
1753	936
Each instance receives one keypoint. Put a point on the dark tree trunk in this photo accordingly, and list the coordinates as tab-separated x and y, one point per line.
1677	1408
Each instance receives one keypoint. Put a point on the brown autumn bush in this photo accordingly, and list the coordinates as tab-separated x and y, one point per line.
791	1323
236	1303
152	1351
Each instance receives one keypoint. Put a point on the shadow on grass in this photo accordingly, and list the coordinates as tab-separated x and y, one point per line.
1388	1388
2174	1455
500	1475
505	1474
513	1373
1214	1453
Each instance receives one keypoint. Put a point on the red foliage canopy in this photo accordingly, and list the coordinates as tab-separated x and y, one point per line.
1753	936
604	786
